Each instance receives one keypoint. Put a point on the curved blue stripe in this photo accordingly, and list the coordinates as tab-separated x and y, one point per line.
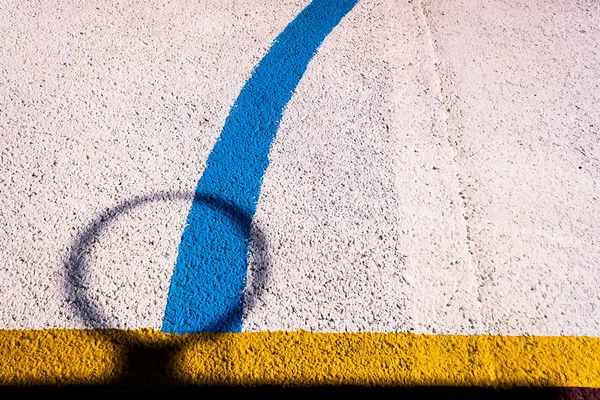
206	293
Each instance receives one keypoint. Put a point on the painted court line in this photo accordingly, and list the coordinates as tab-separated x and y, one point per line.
106	356
206	293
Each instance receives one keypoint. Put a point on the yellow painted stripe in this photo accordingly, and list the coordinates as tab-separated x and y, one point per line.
64	357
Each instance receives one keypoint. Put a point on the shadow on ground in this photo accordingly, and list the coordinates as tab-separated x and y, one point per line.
434	392
148	365
149	361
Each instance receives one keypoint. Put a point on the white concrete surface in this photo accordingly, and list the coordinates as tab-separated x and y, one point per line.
522	85
102	103
360	200
436	171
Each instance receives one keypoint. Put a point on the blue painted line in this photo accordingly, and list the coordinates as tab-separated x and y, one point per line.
207	287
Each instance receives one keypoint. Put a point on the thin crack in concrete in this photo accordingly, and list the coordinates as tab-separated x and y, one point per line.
450	114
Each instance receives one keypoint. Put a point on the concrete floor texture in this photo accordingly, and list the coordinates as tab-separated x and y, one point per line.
435	171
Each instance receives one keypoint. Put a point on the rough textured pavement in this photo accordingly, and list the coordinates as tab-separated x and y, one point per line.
435	172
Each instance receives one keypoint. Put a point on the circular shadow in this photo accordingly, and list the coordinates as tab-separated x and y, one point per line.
76	265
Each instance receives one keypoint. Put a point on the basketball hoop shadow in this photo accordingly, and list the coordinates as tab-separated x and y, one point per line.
145	362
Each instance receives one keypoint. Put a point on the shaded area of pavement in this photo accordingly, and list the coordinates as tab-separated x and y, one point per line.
437	392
